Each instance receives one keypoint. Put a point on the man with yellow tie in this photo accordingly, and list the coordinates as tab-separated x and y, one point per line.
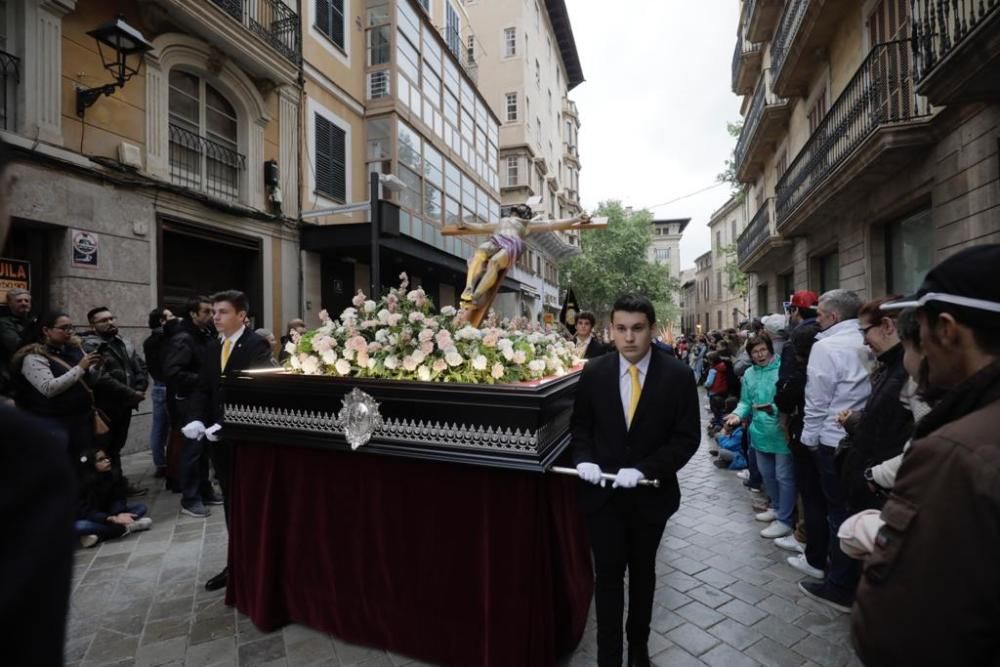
648	431
236	349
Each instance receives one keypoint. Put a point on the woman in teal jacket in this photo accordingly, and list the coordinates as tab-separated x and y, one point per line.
767	438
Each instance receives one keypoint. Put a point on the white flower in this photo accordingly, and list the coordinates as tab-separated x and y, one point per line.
448	311
310	365
296	364
394	319
369	306
343	366
425	335
424	374
497	371
330	357
536	366
416	316
290	347
371	363
383	316
479	362
505	344
382	335
391	362
520	357
409	363
535	338
418	356
452	357
349	315
468	333
507	353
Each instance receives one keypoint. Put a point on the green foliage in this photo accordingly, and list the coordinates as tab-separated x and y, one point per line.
614	262
728	175
737	280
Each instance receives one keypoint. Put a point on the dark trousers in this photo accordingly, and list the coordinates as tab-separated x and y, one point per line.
843	571
621	539
105	530
194	472
813	506
121	419
222	461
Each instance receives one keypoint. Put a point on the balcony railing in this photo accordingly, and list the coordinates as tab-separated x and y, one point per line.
939	26
756	233
271	20
784	35
202	164
743	50
10	76
879	94
763	96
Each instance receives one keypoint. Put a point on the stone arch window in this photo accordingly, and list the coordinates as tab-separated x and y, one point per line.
204	138
205	121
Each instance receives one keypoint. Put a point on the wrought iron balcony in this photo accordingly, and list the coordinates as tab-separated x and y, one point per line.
879	99
764	121
957	49
271	20
788	27
746	65
10	76
805	27
202	164
761	18
758	239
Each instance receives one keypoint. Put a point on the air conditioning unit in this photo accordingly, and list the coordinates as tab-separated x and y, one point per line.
130	155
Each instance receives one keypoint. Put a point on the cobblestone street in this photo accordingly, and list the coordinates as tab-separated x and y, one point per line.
725	598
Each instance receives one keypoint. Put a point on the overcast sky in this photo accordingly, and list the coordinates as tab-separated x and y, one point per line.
654	106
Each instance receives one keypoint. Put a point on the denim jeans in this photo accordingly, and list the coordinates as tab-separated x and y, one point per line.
104	530
844	571
194	472
778	472
160	430
755	481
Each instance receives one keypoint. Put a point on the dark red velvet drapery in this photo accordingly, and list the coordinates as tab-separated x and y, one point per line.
446	563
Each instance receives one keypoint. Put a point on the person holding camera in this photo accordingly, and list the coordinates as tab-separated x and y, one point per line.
124	381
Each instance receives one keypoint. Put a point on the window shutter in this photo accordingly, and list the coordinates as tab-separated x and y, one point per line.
330	20
331	172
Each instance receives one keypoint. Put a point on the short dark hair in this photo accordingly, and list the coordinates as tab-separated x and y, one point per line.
805	313
985	325
586	315
908	326
93	312
155	316
46	321
191	305
635	303
757	339
237	298
713	357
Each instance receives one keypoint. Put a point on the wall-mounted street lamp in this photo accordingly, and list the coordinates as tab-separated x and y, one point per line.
117	41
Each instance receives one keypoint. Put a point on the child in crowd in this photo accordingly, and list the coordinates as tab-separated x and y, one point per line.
717	384
730	440
103	512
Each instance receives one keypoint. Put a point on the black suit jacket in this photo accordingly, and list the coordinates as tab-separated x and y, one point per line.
596	348
250	351
664	434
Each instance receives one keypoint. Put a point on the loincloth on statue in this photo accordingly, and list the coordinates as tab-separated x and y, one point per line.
514	246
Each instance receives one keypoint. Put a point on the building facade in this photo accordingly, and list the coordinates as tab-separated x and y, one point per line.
869	148
687	301
728	305
666	246
703	277
528	63
178	183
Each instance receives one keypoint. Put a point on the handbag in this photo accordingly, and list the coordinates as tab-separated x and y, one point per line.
102	423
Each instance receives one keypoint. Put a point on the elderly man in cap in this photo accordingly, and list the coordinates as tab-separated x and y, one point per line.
930	591
13	326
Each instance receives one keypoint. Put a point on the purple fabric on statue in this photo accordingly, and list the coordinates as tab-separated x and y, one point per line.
512	244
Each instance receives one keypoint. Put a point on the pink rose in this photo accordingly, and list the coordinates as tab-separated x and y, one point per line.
490	340
359	299
356	343
427	347
439	365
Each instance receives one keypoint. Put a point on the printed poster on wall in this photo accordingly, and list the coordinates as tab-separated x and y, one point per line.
85	249
14	273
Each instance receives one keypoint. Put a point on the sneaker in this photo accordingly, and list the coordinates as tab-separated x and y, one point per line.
767	516
87	541
145	523
743	474
826	594
802	565
776	529
198	511
212	500
790	543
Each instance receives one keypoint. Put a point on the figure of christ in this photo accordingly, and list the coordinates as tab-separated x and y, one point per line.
502	249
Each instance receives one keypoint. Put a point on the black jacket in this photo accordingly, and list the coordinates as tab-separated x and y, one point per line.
883	428
122	373
250	351
596	348
101	494
184	365
664	434
154	348
790	394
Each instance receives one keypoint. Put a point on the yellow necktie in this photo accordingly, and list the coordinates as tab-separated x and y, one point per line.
633	371
227	347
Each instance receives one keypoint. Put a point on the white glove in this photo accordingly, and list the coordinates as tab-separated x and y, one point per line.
627	478
590	472
211	431
193	430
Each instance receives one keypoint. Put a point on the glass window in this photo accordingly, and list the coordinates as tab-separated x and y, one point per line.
509	42
410	197
909	252
431	86
378	45
330	20
452	210
829	272
468	192
433	166
513	164
406	55
379	139
451	108
408	21
409	146
331	158
451	77
432	202
453	180
511	107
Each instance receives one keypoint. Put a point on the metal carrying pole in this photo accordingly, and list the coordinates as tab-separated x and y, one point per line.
605	475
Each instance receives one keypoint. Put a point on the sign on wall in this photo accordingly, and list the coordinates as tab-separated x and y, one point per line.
85	249
14	273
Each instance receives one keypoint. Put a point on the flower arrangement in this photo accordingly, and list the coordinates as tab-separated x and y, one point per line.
400	337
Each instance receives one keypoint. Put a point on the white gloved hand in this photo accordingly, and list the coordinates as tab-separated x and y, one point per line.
194	430
211	432
590	472
627	478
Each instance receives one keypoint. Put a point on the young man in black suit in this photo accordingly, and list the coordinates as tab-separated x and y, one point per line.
236	349
587	345
636	415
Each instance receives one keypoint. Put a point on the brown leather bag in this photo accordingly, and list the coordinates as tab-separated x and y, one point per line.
102	424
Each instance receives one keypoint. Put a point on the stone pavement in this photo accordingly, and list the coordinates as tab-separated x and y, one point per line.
725	596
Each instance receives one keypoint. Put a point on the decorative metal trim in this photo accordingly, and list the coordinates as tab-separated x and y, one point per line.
359	417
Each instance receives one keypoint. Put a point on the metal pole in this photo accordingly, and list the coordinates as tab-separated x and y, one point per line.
604	475
376	227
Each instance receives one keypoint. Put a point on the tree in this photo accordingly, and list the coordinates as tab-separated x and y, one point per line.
737	281
729	174
614	262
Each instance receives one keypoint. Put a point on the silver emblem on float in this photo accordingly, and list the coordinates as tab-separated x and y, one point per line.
359	417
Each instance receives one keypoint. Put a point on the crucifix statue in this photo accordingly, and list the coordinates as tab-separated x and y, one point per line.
500	251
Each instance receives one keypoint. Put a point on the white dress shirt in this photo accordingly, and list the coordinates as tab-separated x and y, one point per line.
581	345
837	378
625	380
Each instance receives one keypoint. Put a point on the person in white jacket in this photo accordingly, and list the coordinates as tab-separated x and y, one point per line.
837	379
